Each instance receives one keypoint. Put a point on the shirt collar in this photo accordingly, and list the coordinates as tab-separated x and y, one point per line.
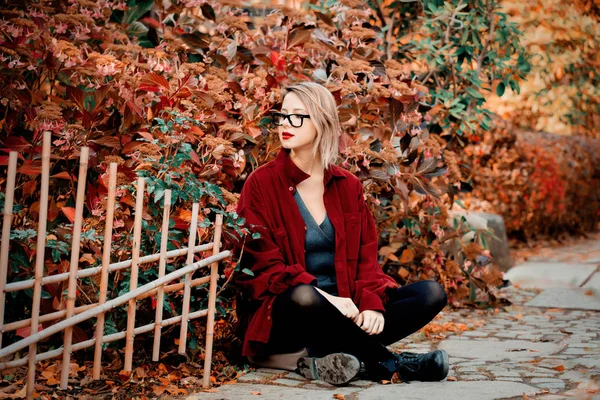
295	175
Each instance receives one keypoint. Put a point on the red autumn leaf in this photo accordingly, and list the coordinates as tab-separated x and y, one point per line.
64	175
298	36
183	93
26	331
53	209
108	141
76	95
153	83
79	335
132	147
146	135
407	256
152	22
195	158
30	168
17	143
69	213
128	199
254	131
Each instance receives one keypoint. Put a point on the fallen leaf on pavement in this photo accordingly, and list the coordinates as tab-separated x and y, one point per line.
338	396
560	368
452	378
255	393
158	390
140	372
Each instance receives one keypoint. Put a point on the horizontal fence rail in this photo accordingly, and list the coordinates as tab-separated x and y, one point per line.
87	272
105	339
73	315
12	326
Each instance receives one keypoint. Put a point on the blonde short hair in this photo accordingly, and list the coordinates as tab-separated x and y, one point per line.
320	105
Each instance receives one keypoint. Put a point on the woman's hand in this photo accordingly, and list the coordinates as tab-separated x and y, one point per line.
344	304
371	322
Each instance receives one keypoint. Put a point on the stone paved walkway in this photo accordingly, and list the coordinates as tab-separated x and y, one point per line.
536	348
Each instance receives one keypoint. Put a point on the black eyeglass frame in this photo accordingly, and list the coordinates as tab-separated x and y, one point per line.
289	118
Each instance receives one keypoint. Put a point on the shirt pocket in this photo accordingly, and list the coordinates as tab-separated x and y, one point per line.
282	241
352	231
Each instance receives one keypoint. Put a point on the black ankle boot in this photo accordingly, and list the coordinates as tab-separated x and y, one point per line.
336	369
426	367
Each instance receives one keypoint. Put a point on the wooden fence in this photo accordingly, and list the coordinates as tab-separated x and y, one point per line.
73	315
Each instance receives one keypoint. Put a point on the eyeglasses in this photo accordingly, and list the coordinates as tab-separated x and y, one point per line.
296	120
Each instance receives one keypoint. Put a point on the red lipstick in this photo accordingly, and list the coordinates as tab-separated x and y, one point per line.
286	135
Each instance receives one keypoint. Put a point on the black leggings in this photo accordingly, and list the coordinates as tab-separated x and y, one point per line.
304	318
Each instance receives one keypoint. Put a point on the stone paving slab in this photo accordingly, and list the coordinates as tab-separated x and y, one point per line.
544	275
593	283
449	390
487	350
247	391
578	298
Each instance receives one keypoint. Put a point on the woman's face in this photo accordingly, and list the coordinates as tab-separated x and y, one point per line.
291	137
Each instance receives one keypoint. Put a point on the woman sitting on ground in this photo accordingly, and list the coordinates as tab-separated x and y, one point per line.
316	285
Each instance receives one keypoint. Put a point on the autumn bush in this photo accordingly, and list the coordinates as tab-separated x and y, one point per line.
181	94
561	93
544	184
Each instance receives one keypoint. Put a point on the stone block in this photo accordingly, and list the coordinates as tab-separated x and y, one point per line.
498	350
566	298
245	391
475	390
544	275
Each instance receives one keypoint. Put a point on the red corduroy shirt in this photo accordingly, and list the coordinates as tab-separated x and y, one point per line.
277	257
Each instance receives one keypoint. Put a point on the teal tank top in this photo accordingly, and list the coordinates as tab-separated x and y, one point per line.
320	248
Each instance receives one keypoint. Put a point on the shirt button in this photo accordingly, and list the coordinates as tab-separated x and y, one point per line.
291	188
269	317
269	307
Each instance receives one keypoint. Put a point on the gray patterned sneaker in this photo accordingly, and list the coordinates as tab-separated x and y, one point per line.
336	369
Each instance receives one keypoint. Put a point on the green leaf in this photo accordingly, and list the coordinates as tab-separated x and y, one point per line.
248	272
474	93
137	29
500	89
136	12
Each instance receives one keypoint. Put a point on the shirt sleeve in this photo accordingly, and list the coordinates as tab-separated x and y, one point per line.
262	255
371	281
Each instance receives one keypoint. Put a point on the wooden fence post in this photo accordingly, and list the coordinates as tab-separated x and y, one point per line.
135	256
39	260
212	298
110	211
7	223
162	264
185	307
74	265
